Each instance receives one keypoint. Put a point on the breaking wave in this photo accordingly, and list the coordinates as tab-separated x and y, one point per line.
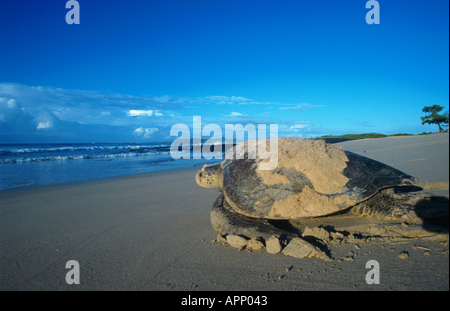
34	153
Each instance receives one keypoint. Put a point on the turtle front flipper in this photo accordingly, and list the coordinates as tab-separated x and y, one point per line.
228	222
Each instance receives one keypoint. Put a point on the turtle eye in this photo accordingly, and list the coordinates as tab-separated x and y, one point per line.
200	174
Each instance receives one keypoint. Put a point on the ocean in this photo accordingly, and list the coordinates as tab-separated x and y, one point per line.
24	165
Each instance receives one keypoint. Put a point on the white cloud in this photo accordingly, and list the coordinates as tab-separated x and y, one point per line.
239	100
84	106
139	131
45	119
44	125
11	103
145	132
301	107
164	99
14	119
81	115
53	114
236	114
226	100
298	126
148	113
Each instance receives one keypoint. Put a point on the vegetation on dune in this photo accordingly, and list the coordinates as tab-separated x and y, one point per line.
434	117
346	137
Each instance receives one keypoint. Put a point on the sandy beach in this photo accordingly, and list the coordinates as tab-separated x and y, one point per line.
153	232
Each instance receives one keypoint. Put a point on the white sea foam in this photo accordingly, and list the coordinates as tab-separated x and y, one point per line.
81	148
78	157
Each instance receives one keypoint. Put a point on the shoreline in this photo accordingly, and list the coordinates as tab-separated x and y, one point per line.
355	146
102	179
153	232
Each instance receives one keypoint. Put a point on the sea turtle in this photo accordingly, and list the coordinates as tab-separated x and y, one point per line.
312	179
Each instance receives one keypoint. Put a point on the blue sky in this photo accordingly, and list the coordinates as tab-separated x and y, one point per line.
131	70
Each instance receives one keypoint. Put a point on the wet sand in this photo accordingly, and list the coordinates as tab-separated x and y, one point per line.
153	232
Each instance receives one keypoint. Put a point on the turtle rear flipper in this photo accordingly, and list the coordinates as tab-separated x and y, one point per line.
403	213
389	205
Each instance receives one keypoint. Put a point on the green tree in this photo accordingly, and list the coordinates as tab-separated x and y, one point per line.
434	117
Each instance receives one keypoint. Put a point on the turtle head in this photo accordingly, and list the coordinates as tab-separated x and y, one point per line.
210	176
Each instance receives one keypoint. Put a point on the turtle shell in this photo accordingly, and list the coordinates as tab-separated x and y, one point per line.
312	178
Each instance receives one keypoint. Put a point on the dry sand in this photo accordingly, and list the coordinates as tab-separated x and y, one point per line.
153	232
